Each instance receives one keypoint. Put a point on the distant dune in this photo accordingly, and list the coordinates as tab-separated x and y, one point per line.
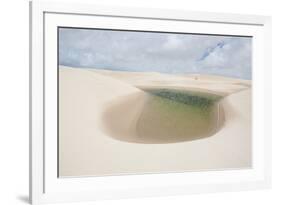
116	122
210	83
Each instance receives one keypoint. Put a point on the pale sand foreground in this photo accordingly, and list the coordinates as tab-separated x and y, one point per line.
86	148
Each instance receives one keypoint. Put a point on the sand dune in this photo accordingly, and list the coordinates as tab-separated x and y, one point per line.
210	83
110	124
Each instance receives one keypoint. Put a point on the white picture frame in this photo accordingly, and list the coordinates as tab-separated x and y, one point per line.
46	187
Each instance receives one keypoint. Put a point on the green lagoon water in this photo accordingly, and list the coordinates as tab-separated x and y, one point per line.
176	115
164	116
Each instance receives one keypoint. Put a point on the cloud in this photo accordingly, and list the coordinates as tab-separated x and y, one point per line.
232	57
173	43
160	52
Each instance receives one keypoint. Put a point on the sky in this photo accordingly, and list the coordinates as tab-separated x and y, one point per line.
156	52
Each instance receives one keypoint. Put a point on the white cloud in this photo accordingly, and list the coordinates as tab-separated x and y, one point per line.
234	59
172	43
161	52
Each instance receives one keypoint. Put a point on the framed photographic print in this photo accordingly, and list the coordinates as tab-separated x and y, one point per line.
129	102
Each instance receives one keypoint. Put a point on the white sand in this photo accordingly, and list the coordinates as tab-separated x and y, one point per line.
86	149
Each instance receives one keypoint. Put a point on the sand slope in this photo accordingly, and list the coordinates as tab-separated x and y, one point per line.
86	148
215	84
